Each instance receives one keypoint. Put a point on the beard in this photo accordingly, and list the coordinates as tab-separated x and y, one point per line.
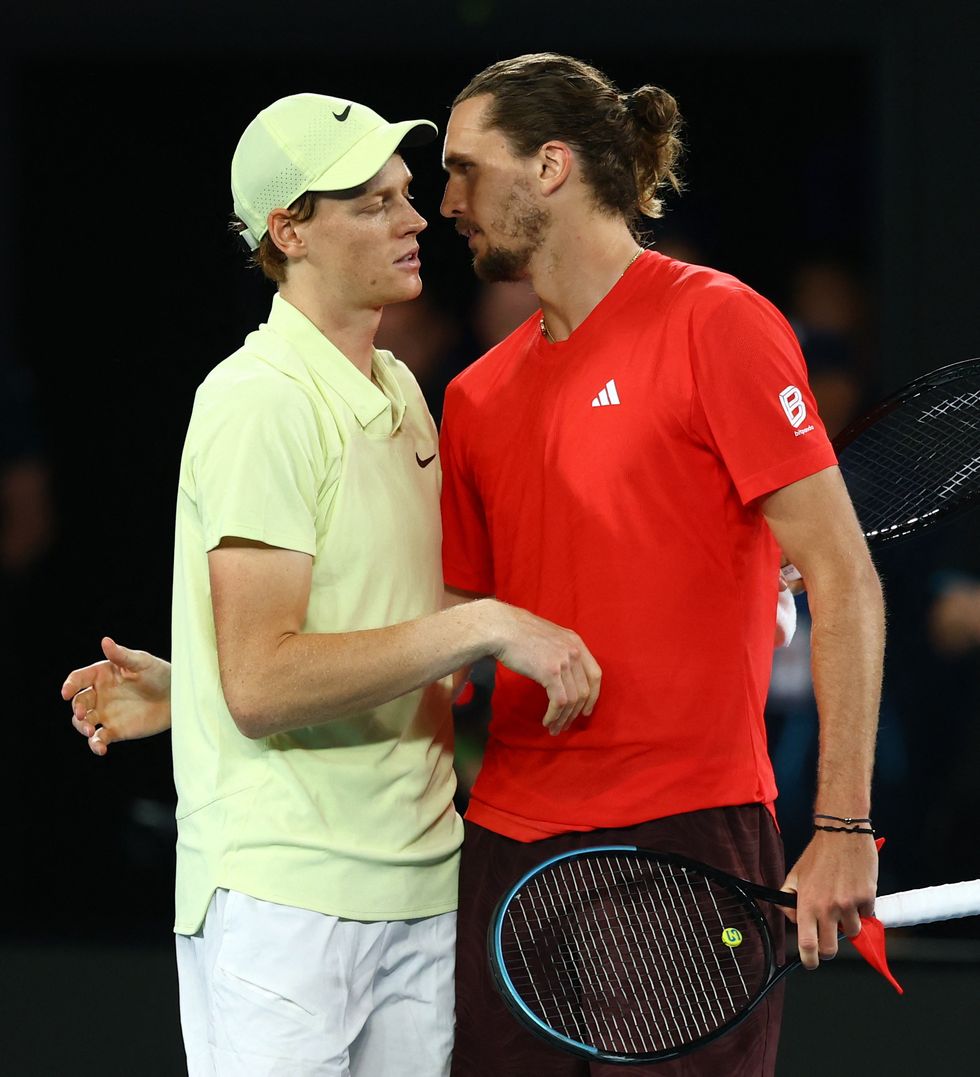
502	264
525	223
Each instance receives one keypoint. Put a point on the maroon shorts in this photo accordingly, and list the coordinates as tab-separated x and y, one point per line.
490	1043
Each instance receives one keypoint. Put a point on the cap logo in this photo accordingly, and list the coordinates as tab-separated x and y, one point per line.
341	116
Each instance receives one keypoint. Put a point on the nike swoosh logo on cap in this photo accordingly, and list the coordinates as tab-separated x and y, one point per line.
341	116
424	463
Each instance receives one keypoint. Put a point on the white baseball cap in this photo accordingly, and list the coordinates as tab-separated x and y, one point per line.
310	142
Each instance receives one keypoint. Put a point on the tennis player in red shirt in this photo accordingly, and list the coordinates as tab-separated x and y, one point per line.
630	461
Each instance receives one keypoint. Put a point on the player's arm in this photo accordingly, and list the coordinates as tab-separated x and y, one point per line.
814	522
123	698
276	677
451	596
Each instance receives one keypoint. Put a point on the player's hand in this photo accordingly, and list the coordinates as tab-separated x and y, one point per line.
123	698
790	578
556	658
835	881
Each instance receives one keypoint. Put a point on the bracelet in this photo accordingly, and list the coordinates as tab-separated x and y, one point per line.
840	819
846	829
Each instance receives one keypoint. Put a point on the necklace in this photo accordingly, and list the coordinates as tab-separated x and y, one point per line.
546	332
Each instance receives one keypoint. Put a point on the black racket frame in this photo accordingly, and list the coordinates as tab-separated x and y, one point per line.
934	379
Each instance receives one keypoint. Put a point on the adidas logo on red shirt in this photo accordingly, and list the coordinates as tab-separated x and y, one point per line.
607	396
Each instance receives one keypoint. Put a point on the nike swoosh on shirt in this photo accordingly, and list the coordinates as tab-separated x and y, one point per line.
424	463
342	115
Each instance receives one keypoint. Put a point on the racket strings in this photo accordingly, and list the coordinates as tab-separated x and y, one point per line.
916	463
630	956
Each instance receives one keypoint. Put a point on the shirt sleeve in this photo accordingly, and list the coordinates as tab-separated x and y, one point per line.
259	463
467	563
752	398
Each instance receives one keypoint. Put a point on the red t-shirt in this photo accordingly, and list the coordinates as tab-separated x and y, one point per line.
610	483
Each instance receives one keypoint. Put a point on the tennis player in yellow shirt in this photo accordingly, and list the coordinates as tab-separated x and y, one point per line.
317	850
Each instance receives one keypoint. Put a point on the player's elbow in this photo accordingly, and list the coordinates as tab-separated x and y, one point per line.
849	582
252	685
866	580
249	708
251	725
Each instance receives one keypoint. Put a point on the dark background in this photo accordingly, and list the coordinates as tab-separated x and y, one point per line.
838	130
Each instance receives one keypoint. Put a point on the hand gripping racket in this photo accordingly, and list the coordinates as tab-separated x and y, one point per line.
619	954
914	458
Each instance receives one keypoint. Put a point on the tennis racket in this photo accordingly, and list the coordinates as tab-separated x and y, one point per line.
619	954
914	459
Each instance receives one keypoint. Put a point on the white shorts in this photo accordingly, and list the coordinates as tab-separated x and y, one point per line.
269	990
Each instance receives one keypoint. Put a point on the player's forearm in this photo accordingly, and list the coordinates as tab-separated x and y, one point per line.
310	678
847	653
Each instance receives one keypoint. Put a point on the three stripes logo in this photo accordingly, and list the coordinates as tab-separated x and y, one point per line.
607	396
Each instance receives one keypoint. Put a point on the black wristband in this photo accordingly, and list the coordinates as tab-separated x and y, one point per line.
846	829
847	819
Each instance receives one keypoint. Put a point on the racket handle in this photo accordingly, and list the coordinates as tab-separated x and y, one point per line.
930	904
790	573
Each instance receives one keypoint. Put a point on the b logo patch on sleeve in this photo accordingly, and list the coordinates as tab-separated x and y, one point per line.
792	400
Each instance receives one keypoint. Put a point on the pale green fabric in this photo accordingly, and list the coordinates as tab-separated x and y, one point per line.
289	444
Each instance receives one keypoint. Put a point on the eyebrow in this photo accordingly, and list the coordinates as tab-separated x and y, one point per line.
455	159
391	188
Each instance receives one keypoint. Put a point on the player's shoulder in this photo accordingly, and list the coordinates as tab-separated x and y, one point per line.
497	362
250	379
247	369
697	286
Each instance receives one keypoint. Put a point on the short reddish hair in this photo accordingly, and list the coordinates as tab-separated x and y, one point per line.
267	256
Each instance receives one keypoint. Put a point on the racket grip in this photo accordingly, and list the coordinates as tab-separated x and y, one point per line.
929	905
790	573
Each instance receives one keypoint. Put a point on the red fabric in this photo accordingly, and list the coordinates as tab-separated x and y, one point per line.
870	942
465	695
637	525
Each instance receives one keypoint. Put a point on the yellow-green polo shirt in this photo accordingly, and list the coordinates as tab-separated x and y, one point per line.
289	444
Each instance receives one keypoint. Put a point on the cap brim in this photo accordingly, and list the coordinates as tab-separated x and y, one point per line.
367	157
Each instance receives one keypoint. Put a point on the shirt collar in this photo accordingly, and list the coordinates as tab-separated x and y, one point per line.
377	402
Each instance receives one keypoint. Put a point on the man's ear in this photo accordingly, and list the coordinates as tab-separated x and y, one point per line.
283	234
555	161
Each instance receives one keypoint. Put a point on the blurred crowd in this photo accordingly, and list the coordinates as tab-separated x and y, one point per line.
926	791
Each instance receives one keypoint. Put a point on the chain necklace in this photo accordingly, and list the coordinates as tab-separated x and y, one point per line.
546	332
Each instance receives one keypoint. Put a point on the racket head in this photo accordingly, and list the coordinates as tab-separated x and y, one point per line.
914	459
626	955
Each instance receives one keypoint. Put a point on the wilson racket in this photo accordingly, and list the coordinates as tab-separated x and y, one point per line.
619	954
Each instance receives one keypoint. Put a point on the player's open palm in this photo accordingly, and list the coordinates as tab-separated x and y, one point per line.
557	659
123	698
